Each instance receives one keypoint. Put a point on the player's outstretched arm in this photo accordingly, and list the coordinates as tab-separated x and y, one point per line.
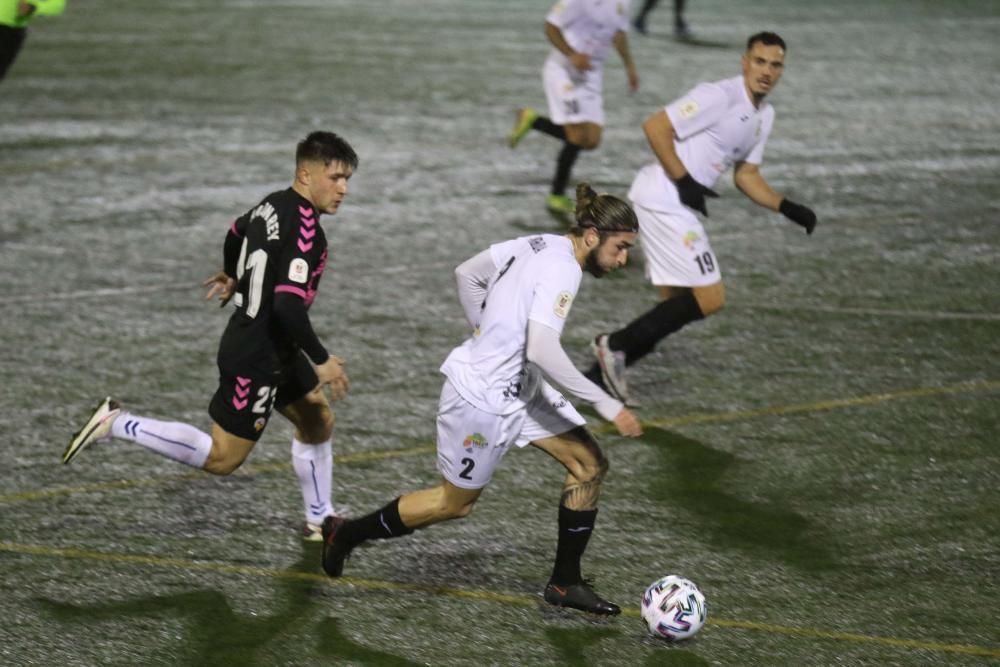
750	181
545	351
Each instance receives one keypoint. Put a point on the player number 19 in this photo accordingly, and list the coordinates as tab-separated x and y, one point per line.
705	262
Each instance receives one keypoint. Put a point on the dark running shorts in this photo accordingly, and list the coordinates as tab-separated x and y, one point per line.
243	402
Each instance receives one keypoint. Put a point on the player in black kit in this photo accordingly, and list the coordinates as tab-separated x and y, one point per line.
269	357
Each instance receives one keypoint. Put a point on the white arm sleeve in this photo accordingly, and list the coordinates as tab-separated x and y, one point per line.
473	278
544	351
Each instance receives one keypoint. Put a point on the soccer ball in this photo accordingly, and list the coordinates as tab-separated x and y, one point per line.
673	608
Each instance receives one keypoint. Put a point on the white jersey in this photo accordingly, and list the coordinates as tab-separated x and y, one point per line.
537	279
589	26
715	126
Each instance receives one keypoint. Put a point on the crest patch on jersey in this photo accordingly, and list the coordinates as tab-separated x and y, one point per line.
563	303
298	271
689	109
537	243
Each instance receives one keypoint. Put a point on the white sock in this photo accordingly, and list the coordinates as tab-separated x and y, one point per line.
174	440
314	466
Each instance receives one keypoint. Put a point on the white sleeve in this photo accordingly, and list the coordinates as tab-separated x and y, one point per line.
697	110
473	278
544	350
563	13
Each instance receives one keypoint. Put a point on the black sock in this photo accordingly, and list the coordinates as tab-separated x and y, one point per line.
381	524
575	527
564	165
639	337
646	8
546	126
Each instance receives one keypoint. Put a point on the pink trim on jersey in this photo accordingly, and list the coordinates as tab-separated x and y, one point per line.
301	293
311	293
306	231
234	231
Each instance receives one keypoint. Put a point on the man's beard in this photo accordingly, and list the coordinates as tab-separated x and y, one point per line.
591	266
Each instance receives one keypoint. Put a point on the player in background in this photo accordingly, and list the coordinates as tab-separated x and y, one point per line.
681	29
269	356
15	15
516	296
695	139
581	32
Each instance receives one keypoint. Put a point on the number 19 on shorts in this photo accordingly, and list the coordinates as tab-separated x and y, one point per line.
706	263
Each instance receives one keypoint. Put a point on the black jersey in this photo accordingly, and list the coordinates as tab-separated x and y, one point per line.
276	247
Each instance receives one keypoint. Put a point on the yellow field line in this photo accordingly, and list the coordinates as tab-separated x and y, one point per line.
682	420
460	593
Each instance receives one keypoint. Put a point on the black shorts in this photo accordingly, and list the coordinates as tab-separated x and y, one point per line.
243	402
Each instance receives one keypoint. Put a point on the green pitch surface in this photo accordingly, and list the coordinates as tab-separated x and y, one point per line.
821	457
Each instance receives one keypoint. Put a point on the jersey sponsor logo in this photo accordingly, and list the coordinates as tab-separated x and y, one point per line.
270	217
537	243
475	441
298	271
563	303
688	109
513	389
689	239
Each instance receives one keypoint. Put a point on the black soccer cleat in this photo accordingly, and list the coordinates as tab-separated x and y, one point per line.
334	552
580	596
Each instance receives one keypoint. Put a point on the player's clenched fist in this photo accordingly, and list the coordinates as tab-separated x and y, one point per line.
628	424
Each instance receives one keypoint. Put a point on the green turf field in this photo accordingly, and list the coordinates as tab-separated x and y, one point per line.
821	457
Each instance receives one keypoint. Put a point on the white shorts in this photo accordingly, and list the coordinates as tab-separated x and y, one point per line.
471	442
573	96
676	248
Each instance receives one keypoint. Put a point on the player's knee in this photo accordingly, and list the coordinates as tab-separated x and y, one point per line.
223	460
319	429
590	141
595	470
455	509
593	463
710	299
221	465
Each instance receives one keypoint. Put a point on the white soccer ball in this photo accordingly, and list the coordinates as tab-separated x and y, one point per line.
673	608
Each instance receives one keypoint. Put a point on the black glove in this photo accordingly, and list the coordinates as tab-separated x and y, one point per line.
693	193
799	214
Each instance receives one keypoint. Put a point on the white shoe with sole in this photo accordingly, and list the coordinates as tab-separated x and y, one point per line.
98	428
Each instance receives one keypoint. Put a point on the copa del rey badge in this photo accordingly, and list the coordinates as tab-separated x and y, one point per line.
563	302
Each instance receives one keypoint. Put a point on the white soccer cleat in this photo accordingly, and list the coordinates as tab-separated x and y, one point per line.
98	427
612	365
312	532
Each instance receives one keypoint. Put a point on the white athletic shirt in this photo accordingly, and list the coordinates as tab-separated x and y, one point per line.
537	278
715	126
589	26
